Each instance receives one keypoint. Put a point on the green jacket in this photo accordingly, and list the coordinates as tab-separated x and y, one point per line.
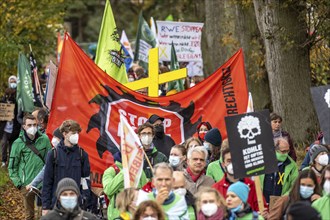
290	175
322	205
113	184
249	217
155	157
214	170
24	164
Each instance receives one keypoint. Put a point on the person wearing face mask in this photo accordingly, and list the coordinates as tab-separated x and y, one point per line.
319	159
126	203
212	143
228	179
162	141
280	183
57	137
210	205
202	129
149	210
322	205
67	159
146	132
178	157
305	189
237	205
9	130
179	187
27	158
215	169
67	205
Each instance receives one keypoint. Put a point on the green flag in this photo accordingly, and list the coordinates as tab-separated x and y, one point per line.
145	40
24	85
169	18
177	84
109	53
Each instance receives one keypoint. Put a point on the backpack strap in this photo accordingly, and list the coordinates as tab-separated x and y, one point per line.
34	150
116	168
255	215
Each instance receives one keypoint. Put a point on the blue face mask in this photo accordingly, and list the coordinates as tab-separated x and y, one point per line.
306	191
13	85
236	208
69	202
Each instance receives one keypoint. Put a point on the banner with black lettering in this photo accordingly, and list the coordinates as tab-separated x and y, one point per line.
321	98
251	144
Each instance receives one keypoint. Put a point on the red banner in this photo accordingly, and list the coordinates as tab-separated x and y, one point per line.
86	94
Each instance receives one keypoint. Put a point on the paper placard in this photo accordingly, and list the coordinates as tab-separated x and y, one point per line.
6	111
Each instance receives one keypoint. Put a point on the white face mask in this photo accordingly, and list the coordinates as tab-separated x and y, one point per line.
13	85
324	160
150	218
55	142
69	202
326	187
74	139
207	146
32	130
209	209
174	161
180	191
146	139
230	169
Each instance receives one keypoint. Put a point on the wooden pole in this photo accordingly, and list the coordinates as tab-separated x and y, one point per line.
260	197
148	161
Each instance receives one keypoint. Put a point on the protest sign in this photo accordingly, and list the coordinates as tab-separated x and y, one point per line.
321	98
251	144
6	111
186	37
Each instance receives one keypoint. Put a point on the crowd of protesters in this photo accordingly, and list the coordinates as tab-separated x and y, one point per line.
191	180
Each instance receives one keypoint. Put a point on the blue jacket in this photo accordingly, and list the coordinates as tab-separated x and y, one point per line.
64	162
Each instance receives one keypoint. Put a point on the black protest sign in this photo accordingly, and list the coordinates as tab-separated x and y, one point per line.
251	144
321	98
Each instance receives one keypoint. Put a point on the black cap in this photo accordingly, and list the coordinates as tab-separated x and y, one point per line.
302	210
153	118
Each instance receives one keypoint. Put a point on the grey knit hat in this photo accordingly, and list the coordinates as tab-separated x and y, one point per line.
67	184
316	150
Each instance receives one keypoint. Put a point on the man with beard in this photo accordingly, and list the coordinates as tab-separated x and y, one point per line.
163	142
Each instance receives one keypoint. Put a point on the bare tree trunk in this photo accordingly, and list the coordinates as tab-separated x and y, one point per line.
250	40
283	30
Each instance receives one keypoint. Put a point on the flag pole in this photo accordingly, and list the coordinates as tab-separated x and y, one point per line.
30	47
148	161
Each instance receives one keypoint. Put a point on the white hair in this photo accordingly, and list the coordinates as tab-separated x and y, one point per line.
198	149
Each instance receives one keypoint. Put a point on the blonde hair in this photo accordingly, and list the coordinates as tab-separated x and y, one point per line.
125	198
152	204
219	198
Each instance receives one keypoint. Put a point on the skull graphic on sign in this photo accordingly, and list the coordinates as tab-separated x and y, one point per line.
249	128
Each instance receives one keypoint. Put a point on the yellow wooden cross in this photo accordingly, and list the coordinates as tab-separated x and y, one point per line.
154	79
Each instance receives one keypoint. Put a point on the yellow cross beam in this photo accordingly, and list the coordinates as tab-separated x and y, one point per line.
154	79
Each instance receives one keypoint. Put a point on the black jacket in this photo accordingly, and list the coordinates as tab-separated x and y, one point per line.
59	213
163	143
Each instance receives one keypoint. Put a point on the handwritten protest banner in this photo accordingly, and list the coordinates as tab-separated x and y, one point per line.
186	37
6	111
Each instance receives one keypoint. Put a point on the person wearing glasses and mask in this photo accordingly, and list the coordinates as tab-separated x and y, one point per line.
146	133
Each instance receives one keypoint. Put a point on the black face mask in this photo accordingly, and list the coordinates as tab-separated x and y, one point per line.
159	129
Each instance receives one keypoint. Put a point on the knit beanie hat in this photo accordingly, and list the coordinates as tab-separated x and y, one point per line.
67	184
58	134
302	210
240	189
316	150
213	136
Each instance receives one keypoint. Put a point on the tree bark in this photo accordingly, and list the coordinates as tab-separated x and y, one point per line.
283	30
250	40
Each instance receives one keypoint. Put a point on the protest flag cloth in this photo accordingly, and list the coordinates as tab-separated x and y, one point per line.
59	47
124	41
24	85
51	81
153	29
109	52
321	99
36	88
176	85
84	93
145	39
131	154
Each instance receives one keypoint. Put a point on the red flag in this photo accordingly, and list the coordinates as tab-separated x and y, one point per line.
86	94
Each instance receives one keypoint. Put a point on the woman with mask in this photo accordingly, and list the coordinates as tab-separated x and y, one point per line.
236	199
67	205
210	205
305	189
202	129
319	159
178	156
192	142
126	203
322	205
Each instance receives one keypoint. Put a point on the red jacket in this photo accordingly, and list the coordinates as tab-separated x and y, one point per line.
223	185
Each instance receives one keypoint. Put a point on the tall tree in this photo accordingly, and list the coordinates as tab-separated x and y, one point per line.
283	28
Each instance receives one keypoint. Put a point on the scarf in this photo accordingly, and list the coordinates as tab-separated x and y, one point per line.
217	216
194	177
